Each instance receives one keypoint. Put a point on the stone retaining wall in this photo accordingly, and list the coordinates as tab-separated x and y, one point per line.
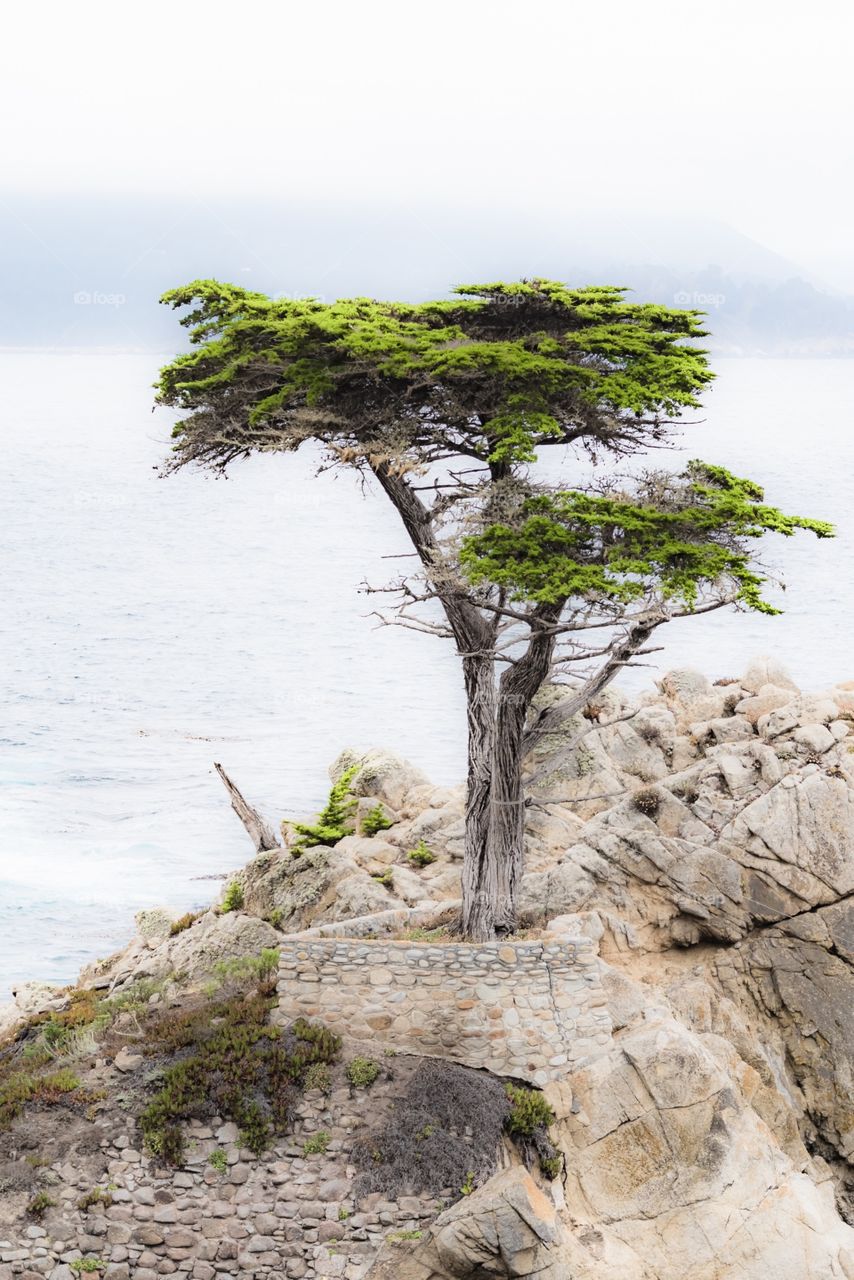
288	1216
525	1009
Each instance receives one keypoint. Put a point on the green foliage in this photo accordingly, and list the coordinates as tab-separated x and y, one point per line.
344	1214
333	821
25	1086
97	1196
317	1144
318	1077
404	1235
362	1072
233	897
87	1266
39	1205
421	855
385	878
245	970
218	1160
510	367
420	934
679	534
551	1166
529	1111
231	1062
375	820
275	917
527	1121
469	1184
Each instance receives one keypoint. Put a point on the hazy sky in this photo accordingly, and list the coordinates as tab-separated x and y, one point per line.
734	110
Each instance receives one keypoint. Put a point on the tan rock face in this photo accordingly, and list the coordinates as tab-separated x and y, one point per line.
508	1228
703	838
671	1172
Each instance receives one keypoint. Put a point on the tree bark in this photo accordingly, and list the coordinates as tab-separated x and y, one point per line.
259	830
495	812
480	883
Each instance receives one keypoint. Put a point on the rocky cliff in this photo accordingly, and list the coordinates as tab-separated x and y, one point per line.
697	843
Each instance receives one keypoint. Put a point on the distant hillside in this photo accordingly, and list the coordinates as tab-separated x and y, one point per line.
78	274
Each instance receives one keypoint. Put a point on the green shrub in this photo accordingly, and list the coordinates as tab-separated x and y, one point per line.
333	821
317	1144
275	917
529	1111
86	1266
21	1087
317	1077
39	1205
233	897
362	1072
527	1121
218	1160
94	1197
421	856
246	970
375	820
404	1235
233	1064
468	1185
385	878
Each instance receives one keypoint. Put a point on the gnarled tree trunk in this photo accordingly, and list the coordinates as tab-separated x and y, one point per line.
495	809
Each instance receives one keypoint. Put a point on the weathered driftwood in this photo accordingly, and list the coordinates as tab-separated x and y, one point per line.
259	830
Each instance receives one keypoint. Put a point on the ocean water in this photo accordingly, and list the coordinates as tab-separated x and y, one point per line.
152	626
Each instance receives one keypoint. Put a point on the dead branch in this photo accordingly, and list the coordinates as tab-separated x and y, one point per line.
258	829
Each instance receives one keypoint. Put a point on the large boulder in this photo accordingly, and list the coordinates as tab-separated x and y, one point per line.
672	1175
507	1228
379	773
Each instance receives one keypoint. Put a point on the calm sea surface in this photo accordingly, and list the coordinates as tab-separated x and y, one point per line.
150	627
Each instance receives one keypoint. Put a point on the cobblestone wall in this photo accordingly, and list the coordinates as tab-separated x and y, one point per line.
526	1009
289	1216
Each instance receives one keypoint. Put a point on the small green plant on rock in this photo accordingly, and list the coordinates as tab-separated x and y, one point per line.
362	1072
529	1111
527	1121
468	1185
421	856
39	1205
21	1087
97	1196
404	1235
318	1077
333	821
243	970
233	898
86	1266
218	1160
344	1214
385	878
551	1166
375	820
275	917
317	1144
